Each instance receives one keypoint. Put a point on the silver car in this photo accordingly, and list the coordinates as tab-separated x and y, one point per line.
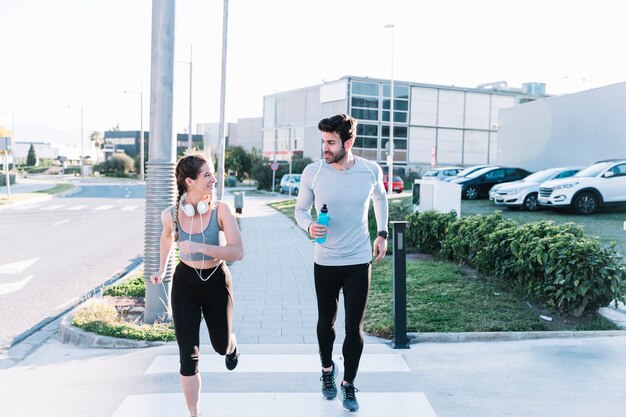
523	193
290	184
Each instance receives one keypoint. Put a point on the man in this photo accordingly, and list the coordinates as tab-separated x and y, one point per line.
344	183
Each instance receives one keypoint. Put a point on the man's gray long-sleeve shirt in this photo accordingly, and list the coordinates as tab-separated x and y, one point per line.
347	195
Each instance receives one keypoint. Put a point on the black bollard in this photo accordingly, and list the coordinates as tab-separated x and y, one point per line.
400	340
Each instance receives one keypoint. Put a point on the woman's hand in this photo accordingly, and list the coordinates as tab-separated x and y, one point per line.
188	247
157	277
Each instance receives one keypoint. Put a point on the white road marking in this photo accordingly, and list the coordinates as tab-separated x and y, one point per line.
27	207
14	286
78	207
60	222
54	207
17	267
102	208
129	208
265	404
288	363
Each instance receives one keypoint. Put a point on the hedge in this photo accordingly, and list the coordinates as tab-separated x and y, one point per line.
558	264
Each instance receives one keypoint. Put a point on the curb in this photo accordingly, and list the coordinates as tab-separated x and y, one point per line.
415	338
72	335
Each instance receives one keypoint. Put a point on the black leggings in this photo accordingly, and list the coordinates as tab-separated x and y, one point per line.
355	281
191	298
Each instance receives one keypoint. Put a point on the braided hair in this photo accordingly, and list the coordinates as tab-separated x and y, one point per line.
187	167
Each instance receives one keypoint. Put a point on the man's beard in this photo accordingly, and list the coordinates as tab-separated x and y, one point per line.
336	157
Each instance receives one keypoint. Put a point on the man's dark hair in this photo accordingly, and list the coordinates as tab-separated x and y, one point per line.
342	124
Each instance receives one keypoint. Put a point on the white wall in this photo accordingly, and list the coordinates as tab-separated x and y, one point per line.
575	129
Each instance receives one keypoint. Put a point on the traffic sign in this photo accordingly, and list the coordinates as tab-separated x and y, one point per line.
274	166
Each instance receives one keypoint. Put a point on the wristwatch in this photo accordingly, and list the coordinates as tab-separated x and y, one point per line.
383	234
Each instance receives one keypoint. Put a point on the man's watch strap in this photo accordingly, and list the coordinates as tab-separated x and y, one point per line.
383	234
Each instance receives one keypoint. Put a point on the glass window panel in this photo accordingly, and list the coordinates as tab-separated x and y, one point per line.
366	130
398	104
400	91
398	131
371	143
365	114
364	89
397	143
371	103
399	117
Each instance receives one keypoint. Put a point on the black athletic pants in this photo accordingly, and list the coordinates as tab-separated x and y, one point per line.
191	298
355	282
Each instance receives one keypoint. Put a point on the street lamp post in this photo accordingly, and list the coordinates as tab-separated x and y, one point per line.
222	139
190	62
391	97
82	145
141	139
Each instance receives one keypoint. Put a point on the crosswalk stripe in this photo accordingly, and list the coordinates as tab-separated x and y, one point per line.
262	404
78	207
54	207
102	208
129	208
27	207
287	363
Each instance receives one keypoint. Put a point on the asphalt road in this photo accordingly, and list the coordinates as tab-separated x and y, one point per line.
56	251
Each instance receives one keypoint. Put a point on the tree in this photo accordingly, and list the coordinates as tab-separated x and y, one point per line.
97	141
31	159
237	160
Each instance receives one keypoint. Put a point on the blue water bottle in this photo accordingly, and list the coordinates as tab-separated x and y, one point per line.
322	218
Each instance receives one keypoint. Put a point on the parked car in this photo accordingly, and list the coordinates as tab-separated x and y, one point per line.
397	184
524	193
466	171
441	173
290	181
600	184
477	184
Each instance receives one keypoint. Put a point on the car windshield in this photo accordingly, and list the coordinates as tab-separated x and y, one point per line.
431	173
479	172
542	175
296	179
469	170
592	170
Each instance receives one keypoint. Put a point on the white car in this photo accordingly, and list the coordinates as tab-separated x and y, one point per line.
601	184
523	193
441	173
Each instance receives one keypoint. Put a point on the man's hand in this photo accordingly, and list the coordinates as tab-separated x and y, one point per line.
380	248
317	230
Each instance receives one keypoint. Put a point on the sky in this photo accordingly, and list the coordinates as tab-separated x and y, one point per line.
59	56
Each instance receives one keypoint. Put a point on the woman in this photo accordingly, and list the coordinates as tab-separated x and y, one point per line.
202	283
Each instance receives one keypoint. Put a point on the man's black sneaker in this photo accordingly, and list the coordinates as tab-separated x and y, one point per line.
232	359
348	394
329	386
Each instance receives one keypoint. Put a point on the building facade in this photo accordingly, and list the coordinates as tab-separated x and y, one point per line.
574	129
127	141
432	124
246	132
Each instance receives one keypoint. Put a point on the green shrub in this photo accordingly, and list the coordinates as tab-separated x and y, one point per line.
427	231
466	236
134	287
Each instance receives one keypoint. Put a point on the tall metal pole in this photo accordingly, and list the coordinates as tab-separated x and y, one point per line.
161	185
391	96
142	164
189	137
82	143
13	141
222	140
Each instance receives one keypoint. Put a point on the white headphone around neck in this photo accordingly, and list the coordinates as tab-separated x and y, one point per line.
202	206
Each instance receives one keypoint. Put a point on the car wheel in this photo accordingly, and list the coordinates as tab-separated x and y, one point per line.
585	203
531	203
281	190
295	191
470	193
